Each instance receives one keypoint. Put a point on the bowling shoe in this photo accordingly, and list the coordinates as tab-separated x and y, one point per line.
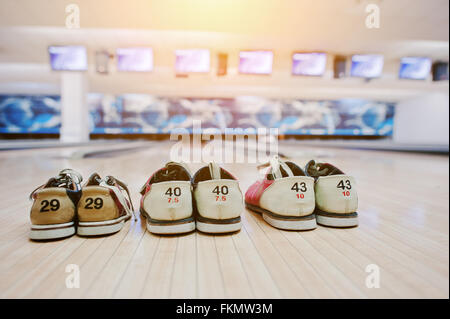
218	201
166	201
284	197
53	213
104	206
336	196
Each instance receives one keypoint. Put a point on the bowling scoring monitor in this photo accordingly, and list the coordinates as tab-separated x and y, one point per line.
255	62
68	58
192	61
309	63
414	68
367	66
139	59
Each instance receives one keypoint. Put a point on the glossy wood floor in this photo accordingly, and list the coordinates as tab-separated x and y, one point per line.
404	231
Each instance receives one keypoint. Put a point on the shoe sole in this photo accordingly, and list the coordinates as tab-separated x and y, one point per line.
171	228
219	226
336	220
55	231
285	222
101	228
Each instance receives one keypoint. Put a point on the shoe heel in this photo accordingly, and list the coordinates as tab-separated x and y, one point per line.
46	232
100	228
304	223
285	222
98	213
213	226
181	226
337	220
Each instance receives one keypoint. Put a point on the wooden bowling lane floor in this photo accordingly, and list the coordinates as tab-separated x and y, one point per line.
403	232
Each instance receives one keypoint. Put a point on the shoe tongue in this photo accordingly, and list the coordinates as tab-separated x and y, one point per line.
207	173
214	171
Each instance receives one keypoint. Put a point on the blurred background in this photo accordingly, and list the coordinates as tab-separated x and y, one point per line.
375	71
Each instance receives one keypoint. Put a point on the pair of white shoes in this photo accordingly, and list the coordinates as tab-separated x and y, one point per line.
173	202
292	198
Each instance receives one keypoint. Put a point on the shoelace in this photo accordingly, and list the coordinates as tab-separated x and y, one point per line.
275	163
73	174
66	177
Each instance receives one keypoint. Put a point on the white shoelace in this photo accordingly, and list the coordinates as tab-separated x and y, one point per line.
275	164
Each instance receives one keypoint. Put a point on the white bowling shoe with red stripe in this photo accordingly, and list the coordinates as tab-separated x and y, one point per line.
285	197
166	201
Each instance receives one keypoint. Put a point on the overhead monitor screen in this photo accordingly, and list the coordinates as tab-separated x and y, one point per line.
367	65
311	64
68	58
135	59
192	61
414	68
255	62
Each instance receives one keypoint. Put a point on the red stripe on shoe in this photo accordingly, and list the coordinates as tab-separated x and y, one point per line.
122	210
255	191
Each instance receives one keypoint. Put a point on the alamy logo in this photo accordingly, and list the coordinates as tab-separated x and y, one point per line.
73	16
373	278
238	145
73	279
373	17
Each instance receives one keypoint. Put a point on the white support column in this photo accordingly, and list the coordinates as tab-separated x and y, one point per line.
74	107
422	120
